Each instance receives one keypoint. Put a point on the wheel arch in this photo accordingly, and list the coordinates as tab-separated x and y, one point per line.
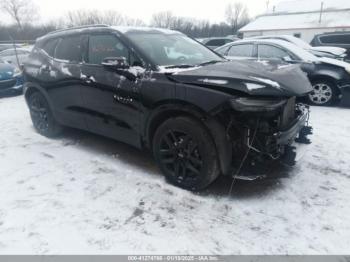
326	77
31	88
217	131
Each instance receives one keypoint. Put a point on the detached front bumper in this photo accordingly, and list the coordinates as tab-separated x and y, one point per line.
278	149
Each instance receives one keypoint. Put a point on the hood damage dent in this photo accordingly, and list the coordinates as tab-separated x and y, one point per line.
267	137
253	86
268	82
214	81
248	77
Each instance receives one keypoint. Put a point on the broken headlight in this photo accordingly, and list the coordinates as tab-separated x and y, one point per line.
245	104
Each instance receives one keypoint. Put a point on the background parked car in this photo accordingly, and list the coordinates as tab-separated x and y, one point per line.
7	46
215	42
338	39
11	79
321	51
330	78
9	55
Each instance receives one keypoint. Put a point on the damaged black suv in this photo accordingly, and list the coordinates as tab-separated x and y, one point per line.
199	114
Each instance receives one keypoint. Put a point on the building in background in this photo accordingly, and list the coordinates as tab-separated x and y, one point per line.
303	19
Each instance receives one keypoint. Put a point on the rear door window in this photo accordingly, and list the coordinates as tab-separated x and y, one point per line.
269	51
102	46
69	49
241	50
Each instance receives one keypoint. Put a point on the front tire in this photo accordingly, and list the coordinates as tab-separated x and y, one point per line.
324	93
42	117
186	153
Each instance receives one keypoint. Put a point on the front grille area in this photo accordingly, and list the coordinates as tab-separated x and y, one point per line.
288	114
5	84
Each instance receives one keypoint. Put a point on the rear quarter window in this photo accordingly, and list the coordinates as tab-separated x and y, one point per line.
49	47
241	50
268	52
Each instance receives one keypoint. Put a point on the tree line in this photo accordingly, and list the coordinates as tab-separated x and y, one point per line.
24	14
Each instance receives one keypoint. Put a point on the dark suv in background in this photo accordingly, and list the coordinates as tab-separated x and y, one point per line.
200	114
338	39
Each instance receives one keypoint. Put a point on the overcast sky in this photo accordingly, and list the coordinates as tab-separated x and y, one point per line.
143	9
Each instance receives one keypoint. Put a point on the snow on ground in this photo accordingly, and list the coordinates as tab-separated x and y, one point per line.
84	194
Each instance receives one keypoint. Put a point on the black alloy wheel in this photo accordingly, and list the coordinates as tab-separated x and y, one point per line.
42	117
186	153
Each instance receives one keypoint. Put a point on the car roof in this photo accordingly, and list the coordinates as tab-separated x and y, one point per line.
284	37
216	38
129	29
289	38
120	29
334	33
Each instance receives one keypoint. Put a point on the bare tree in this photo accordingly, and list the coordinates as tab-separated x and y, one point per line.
90	17
21	11
163	19
133	22
83	17
236	15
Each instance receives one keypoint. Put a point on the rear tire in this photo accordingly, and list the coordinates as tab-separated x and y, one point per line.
324	93
186	153
42	117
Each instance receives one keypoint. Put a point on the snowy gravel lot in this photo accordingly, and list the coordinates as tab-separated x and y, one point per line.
84	194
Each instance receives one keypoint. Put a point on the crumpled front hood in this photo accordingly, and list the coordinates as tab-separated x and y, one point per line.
334	62
254	78
338	51
6	71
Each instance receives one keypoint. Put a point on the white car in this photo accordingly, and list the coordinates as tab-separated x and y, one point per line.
320	51
330	78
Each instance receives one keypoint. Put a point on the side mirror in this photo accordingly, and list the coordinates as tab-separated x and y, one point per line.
116	63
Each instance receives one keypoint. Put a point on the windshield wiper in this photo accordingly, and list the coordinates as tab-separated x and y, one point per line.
179	66
211	62
189	66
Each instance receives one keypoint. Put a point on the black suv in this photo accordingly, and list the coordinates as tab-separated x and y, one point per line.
338	39
199	114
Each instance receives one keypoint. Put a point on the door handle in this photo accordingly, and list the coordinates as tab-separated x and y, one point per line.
123	100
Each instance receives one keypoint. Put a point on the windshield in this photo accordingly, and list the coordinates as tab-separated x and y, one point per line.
173	49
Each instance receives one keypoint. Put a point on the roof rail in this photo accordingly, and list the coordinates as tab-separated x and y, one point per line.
78	27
